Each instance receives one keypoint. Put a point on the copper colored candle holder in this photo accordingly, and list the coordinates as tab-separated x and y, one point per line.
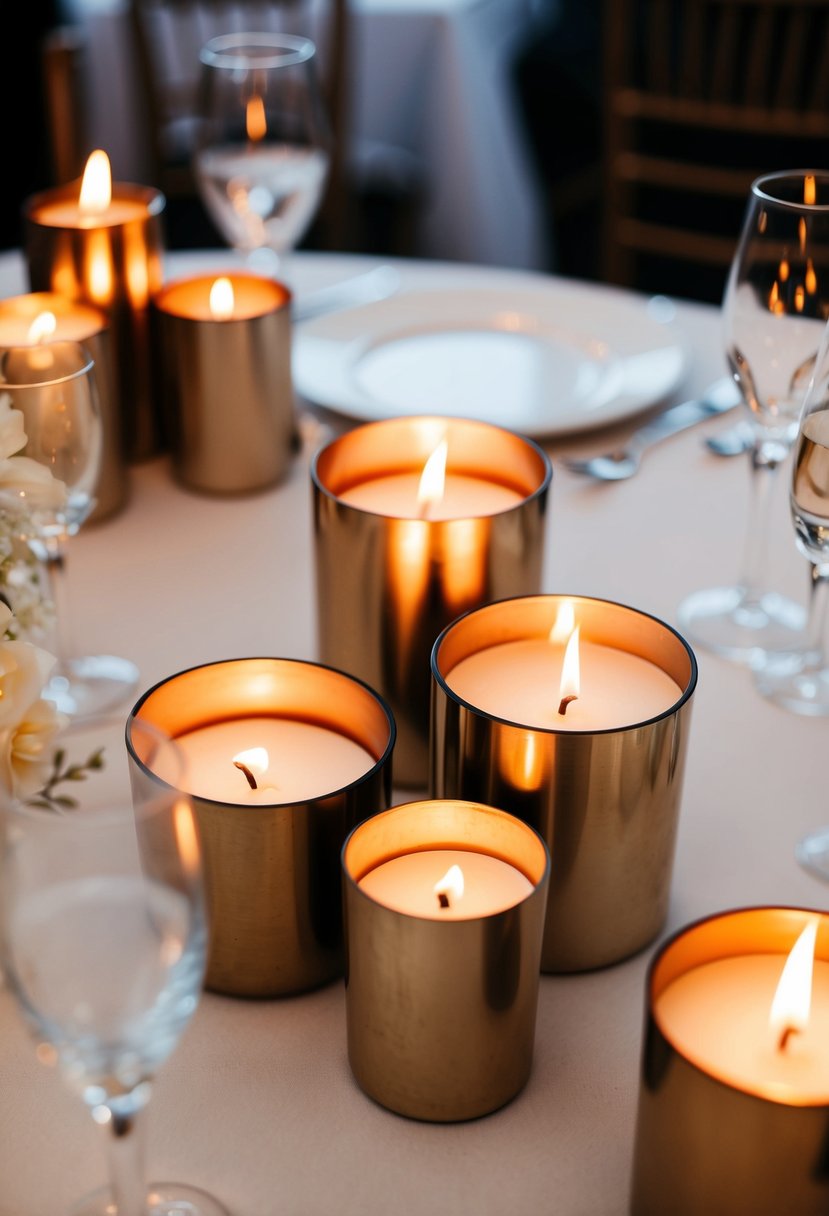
605	801
115	267
272	871
441	1014
225	385
387	586
79	323
704	1144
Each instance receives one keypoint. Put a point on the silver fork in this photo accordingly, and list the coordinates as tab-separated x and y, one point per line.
623	462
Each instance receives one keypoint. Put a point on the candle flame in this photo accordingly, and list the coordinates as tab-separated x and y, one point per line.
433	477
255	122
222	300
809	190
792	1000
570	685
783	270
564	623
811	277
255	758
450	887
96	186
42	328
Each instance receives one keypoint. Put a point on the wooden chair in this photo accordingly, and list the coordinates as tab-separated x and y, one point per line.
701	97
168	35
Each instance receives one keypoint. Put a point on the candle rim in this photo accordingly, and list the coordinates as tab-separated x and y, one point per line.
283	298
125	192
660	956
87	365
51	301
442	680
379	764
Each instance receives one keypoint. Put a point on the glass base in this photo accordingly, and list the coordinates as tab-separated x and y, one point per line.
794	682
91	686
724	621
813	853
163	1199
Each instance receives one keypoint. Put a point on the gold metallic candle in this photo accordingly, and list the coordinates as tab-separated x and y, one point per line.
22	319
734	1094
442	979
272	854
600	778
392	570
107	254
224	345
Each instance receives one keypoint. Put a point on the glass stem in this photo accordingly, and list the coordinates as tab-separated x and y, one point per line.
124	1129
818	614
766	458
54	552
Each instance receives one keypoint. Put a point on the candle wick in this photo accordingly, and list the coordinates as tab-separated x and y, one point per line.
244	768
443	899
785	1035
565	701
423	509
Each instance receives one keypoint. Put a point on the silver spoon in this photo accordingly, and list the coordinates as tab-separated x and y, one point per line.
733	442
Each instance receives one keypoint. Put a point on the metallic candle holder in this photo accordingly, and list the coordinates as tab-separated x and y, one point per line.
709	1142
606	801
76	322
113	262
441	1013
387	586
273	869
225	382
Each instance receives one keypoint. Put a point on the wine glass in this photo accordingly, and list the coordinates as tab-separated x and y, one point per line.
775	305
51	390
263	148
103	939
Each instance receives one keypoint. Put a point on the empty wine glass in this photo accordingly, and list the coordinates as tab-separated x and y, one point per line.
262	155
51	391
103	944
775	306
799	679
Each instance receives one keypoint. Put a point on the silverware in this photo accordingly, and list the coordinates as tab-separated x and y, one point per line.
376	284
733	442
623	462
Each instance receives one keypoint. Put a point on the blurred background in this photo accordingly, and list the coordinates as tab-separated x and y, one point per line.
613	141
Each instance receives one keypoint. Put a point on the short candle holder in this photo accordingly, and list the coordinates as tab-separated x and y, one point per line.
397	559
734	1091
283	758
597	772
442	971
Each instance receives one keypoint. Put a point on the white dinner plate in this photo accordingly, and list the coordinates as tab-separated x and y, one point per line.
541	361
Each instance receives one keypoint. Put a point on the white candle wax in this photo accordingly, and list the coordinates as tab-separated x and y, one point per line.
464	497
305	761
520	681
67	213
407	884
717	1015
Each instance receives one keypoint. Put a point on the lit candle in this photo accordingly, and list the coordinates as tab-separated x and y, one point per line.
525	681
295	761
272	853
418	520
100	243
444	918
735	1087
227	338
572	713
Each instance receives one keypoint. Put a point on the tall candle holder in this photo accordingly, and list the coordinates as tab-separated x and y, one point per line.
600	780
393	571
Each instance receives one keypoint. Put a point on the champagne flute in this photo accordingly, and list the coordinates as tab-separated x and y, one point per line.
103	939
262	156
50	389
775	306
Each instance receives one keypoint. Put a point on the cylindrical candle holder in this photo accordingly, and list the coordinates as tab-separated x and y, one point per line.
604	792
111	259
76	322
272	854
225	381
441	1002
391	573
733	1116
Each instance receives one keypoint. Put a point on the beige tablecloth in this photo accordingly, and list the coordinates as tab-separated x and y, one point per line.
258	1104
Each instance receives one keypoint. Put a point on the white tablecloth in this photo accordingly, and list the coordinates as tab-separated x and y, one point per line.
258	1104
430	77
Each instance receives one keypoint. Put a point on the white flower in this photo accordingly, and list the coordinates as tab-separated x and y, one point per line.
24	482
26	755
12	431
24	669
